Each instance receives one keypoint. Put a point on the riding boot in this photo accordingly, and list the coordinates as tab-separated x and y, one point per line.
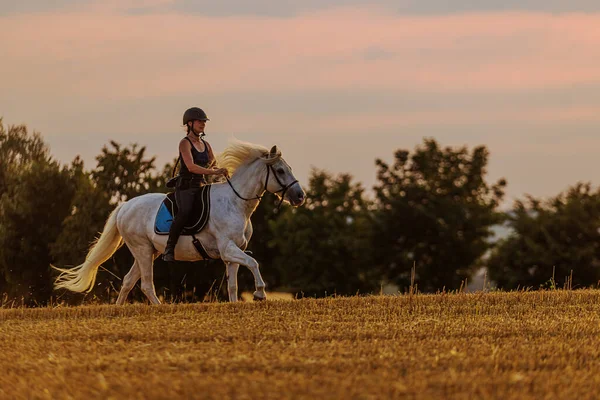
169	254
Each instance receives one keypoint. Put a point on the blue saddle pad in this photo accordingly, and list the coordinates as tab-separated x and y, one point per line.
198	218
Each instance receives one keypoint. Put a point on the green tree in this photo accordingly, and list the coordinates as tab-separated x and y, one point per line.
18	148
34	201
434	210
557	236
324	246
88	212
125	172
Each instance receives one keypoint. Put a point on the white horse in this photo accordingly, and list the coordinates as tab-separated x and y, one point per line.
253	168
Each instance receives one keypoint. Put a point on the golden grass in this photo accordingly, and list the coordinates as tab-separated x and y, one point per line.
525	345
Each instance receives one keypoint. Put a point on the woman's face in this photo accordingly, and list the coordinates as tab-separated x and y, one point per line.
198	126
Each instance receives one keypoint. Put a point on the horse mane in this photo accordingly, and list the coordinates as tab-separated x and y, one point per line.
238	153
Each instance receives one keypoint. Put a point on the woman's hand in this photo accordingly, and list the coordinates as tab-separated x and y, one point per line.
221	171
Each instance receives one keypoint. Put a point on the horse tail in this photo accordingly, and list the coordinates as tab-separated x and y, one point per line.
82	277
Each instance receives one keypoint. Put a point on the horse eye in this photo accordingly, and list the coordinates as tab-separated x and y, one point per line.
280	171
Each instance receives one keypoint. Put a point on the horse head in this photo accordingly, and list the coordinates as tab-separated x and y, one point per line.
280	179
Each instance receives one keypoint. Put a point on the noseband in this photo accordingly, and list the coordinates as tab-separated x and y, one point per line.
283	190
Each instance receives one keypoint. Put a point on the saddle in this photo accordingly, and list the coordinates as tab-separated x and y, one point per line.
198	218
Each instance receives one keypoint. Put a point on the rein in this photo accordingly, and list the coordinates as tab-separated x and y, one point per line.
284	188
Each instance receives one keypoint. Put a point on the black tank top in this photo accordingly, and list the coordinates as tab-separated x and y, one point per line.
201	159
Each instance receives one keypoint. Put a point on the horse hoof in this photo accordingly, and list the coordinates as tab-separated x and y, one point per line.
257	298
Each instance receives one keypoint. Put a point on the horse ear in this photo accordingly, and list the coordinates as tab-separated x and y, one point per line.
273	152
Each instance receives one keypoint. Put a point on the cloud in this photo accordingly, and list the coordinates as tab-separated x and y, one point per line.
110	55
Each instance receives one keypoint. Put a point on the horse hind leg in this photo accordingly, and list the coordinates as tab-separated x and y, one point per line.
144	258
129	282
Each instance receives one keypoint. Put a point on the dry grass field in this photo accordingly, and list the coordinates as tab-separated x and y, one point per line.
522	345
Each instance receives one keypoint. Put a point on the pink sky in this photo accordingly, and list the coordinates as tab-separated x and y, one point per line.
333	88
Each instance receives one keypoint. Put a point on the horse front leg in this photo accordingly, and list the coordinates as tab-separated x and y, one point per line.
232	287
230	253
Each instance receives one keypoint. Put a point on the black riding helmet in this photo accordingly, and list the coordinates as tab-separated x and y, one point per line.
193	114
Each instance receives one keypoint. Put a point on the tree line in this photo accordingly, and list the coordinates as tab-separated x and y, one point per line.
433	214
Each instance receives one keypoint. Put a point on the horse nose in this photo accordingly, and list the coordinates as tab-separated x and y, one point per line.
301	197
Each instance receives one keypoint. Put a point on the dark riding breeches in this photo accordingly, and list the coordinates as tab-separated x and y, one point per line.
185	203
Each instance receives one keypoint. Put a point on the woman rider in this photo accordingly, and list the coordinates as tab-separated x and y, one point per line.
197	162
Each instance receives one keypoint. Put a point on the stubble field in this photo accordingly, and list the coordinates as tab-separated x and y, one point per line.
522	345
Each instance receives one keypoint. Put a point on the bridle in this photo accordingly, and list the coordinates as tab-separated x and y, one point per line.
283	190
